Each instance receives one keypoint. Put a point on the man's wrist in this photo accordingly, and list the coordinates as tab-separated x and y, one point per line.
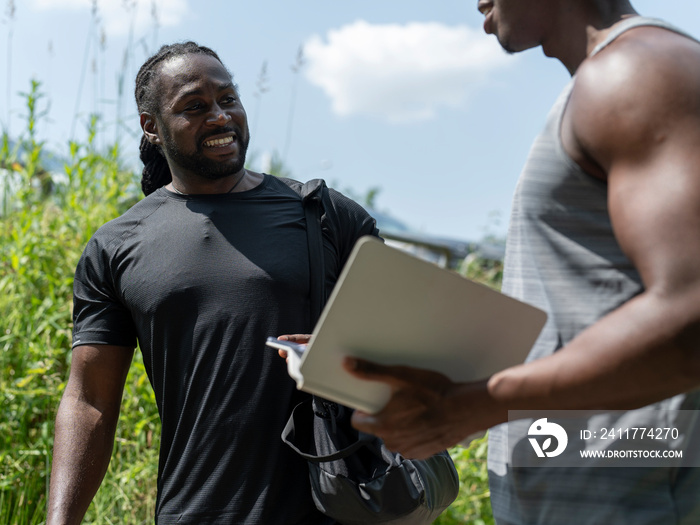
474	408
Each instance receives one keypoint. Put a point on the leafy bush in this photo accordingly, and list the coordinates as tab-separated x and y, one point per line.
46	221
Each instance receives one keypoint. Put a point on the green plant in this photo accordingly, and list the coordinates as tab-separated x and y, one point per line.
45	224
485	271
472	505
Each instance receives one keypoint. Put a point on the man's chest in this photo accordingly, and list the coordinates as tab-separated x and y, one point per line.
204	258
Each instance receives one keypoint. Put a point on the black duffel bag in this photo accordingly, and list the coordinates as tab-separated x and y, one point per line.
356	480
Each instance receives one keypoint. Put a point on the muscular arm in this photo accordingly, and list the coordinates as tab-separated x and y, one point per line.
634	120
85	425
635	112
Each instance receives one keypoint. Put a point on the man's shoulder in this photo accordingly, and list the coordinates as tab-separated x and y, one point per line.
340	213
303	189
337	207
640	55
645	78
119	228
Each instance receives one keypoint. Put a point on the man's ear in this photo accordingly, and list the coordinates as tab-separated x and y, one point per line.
150	128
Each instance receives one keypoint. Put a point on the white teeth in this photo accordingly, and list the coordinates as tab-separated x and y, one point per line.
219	142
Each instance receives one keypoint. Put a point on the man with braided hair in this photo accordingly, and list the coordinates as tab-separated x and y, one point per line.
156	172
199	273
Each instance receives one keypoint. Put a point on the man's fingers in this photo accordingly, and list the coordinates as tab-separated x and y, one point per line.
296	338
412	442
394	375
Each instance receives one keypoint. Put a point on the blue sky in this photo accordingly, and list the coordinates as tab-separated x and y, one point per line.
408	96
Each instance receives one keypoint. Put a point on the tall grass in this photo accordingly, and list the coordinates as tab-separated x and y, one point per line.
45	221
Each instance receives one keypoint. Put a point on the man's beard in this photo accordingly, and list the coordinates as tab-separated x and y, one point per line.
203	166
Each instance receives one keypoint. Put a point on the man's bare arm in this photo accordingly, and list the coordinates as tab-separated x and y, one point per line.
638	121
635	112
85	426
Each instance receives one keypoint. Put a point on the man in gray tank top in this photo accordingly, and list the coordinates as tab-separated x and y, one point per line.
604	236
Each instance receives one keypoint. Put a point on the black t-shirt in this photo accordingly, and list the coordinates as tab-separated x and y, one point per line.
201	281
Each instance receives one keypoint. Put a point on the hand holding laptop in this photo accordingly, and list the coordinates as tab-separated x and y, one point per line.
393	309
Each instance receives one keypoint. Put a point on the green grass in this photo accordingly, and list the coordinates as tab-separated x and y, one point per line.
472	505
44	225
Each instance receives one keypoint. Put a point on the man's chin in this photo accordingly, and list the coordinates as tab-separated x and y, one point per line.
217	170
209	168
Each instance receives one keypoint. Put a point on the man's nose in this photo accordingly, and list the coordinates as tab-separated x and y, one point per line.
218	117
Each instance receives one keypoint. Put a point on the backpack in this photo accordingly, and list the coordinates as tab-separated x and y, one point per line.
354	478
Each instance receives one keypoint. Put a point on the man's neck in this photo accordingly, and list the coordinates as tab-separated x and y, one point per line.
240	181
582	27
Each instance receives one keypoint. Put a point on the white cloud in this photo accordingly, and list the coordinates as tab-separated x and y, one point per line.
117	15
401	72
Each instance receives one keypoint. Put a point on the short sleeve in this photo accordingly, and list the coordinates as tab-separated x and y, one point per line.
99	317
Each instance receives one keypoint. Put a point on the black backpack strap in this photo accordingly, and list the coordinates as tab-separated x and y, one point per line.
302	419
311	194
313	212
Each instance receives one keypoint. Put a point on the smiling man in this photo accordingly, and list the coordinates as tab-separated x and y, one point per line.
199	273
199	151
604	236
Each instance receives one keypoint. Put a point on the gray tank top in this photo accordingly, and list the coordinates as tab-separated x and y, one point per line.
562	256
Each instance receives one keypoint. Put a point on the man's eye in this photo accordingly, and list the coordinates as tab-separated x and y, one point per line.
194	107
230	99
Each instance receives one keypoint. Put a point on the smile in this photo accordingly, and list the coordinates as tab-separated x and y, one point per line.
214	143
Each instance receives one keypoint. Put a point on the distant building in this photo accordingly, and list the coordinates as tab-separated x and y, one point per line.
444	251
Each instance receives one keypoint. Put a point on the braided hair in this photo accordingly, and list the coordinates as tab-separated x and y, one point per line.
156	172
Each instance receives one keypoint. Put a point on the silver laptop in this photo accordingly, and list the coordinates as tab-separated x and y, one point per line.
393	308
